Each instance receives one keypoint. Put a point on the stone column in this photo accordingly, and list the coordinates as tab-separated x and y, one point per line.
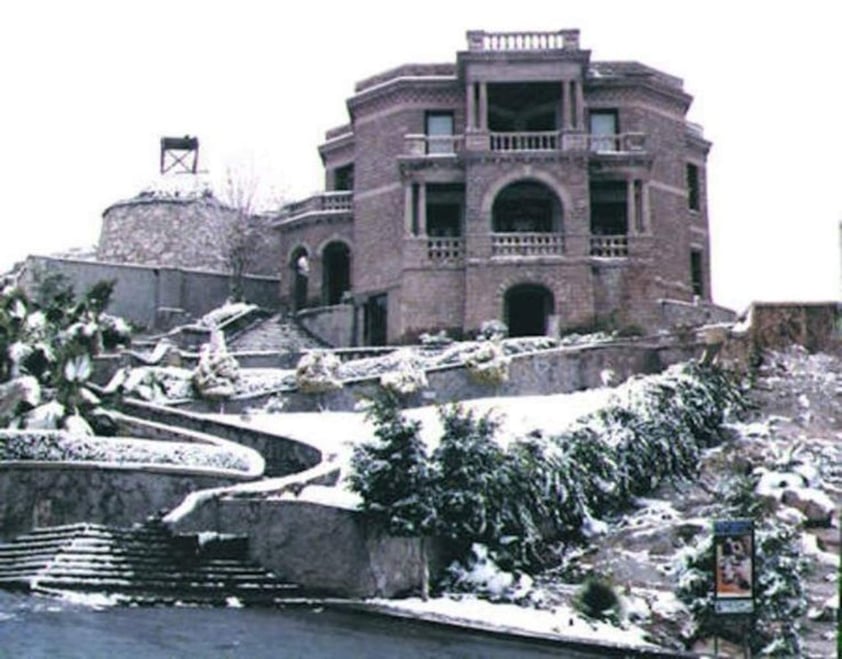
566	108
470	108
422	209
580	105
647	209
483	106
408	210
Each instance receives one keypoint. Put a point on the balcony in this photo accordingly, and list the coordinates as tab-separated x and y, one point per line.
445	250
520	244
321	204
419	145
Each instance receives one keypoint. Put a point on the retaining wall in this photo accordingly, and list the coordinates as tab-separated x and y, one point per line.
325	550
36	494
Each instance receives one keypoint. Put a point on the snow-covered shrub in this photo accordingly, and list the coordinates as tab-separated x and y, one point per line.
493	330
482	576
779	594
407	378
160	384
488	364
438	340
392	472
468	482
317	372
217	372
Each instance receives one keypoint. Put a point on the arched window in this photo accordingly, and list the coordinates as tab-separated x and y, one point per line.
299	266
526	207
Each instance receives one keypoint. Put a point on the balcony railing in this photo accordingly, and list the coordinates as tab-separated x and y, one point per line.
445	249
324	202
527	244
546	141
610	246
479	40
433	145
621	142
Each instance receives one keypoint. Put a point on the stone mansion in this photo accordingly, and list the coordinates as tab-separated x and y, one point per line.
523	182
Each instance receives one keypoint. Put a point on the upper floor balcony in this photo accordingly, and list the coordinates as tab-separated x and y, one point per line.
322	204
419	146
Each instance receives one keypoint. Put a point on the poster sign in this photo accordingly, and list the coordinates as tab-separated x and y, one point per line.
733	545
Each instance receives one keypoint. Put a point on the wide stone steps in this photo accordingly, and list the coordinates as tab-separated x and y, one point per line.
142	565
277	334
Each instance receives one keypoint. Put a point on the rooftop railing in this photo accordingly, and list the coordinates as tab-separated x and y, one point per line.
480	41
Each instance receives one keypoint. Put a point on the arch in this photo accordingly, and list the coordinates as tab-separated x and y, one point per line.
527	309
526	206
524	173
299	265
336	271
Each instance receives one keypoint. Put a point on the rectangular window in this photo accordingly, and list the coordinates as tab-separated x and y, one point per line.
693	196
439	129
604	129
697	279
343	178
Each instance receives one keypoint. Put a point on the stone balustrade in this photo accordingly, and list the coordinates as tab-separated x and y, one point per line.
527	244
323	202
420	145
529	141
610	246
481	41
445	249
564	141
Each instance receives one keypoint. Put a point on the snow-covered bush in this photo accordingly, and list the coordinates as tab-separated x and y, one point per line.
779	566
468	483
488	364
227	311
161	384
54	340
317	372
597	599
217	372
492	330
482	576
407	378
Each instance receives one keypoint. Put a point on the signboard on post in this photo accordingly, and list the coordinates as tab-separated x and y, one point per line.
733	546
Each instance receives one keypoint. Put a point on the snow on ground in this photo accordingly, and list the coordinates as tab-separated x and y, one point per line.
562	621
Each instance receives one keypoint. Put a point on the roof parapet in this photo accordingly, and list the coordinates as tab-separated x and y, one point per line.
481	41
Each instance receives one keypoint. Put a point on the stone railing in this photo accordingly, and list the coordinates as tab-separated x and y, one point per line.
527	244
323	202
544	141
480	41
420	145
445	249
621	142
610	246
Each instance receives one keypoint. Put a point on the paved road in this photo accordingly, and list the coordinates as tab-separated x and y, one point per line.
35	627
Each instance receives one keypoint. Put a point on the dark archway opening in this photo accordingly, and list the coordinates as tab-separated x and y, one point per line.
300	266
336	272
526	207
375	322
527	309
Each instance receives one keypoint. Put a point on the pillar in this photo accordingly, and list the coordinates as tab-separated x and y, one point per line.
566	108
422	209
483	106
470	111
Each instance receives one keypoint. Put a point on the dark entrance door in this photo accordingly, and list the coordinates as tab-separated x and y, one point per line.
375	320
527	308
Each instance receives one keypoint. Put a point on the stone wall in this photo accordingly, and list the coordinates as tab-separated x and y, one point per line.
775	326
192	232
325	550
46	494
334	325
144	294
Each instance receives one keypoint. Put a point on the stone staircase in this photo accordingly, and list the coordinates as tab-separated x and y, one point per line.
145	565
278	333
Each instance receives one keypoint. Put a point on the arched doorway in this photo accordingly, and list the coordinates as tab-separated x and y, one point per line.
526	207
336	272
299	265
527	308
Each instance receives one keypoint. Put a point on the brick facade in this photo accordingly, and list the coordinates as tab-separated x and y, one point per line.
524	183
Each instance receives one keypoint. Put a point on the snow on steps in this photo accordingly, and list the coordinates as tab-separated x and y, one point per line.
142	565
277	333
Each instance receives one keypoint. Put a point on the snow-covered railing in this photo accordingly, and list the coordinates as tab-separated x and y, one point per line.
479	41
527	244
618	143
610	246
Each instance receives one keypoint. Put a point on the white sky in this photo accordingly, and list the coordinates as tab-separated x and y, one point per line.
88	88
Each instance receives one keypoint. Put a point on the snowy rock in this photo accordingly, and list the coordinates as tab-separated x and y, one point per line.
217	371
816	506
45	417
318	372
77	425
24	389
